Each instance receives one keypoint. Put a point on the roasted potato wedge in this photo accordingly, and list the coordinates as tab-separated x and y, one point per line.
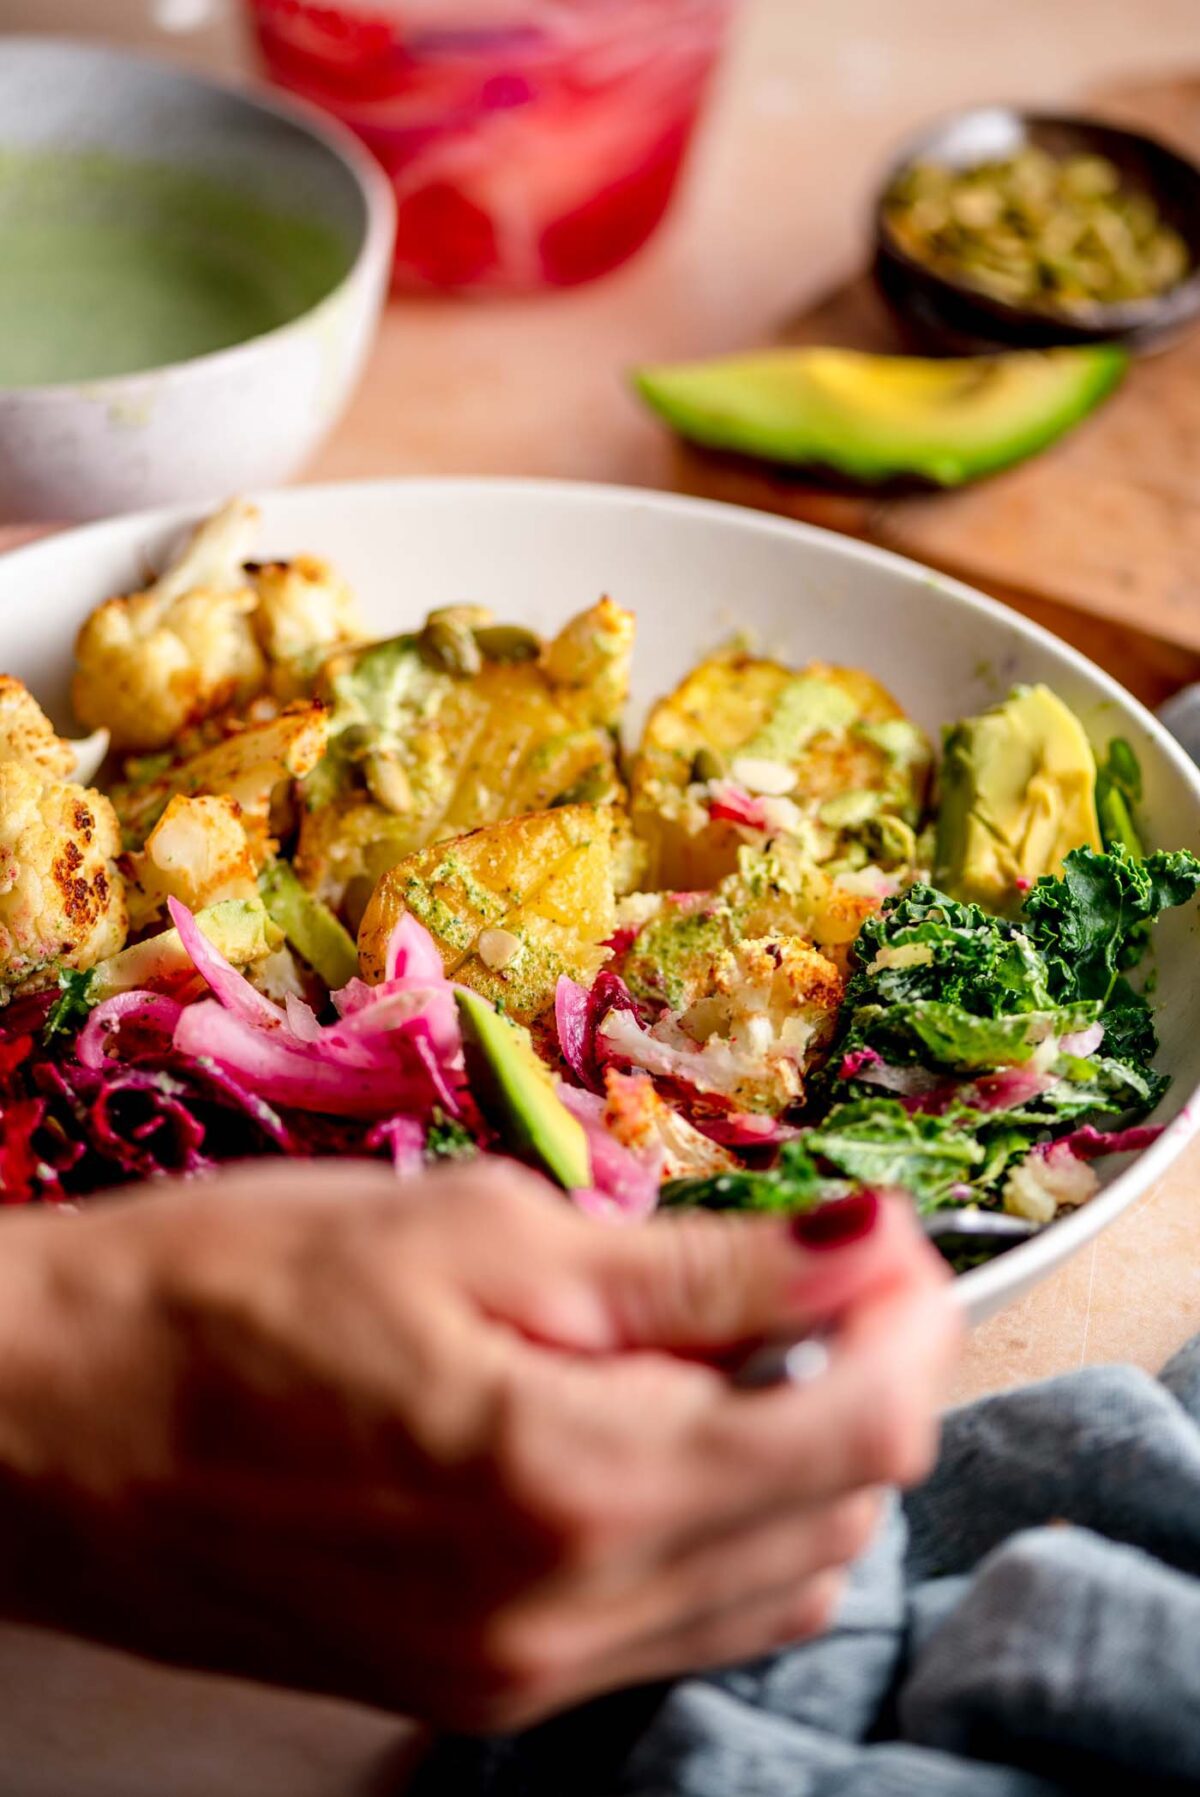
819	754
459	726
511	906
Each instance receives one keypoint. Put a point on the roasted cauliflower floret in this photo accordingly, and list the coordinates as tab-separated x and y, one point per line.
152	663
590	659
247	765
680	936
305	612
746	750
62	901
639	1119
27	735
767	1015
198	852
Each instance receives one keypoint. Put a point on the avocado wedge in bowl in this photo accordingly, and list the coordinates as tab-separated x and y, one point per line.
873	419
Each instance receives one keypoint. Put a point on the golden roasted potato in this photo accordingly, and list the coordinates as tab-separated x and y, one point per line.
511	906
813	756
466	723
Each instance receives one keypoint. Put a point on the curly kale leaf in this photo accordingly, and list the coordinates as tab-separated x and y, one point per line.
794	1183
924	945
69	1011
945	1035
1093	923
876	1142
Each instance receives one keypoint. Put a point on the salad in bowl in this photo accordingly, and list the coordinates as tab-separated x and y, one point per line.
300	891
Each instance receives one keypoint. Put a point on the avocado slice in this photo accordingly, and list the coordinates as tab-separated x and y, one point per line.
311	928
516	1094
239	928
1018	793
874	418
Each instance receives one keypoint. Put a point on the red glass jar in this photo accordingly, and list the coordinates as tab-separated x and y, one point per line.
531	143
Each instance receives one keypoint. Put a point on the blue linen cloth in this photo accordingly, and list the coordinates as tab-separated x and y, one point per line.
1025	1625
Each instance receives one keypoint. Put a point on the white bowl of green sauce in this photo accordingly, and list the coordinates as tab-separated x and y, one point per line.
191	277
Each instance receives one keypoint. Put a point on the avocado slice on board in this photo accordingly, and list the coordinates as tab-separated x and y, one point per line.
516	1094
876	418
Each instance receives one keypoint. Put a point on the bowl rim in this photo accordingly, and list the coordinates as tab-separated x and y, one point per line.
983	1289
372	254
1157	312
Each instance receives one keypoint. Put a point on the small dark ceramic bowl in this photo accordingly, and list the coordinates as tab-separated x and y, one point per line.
950	314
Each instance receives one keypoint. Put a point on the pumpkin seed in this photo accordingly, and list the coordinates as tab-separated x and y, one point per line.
448	641
507	642
708	764
1062	234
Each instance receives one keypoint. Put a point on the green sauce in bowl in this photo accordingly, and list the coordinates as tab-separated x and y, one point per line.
111	266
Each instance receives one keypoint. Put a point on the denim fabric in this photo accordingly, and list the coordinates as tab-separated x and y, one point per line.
1027	1624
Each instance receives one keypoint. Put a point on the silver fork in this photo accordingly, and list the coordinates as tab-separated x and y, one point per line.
801	1361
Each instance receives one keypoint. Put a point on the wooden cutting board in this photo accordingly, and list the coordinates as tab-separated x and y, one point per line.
1100	536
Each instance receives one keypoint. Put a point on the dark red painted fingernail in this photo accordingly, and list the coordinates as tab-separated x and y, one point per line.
838	1224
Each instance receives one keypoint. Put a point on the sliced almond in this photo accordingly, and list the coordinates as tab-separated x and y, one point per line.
774	779
497	949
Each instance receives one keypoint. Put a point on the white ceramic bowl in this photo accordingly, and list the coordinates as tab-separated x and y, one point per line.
692	572
241	417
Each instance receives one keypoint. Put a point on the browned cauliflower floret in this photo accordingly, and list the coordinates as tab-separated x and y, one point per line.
198	852
764	1017
153	663
27	735
305	613
62	901
641	1120
248	765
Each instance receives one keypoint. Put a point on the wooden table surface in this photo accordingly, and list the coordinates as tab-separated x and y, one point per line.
813	97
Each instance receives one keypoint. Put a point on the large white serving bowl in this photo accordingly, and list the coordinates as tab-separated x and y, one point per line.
692	572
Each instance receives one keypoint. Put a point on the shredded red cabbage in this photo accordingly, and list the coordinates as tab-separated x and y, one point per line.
578	1016
1005	1090
150	1086
745	1129
1088	1143
732	804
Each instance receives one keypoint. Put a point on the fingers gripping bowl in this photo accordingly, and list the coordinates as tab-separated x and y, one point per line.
689	575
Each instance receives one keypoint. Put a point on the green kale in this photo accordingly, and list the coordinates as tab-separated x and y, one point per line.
923	945
447	1140
1093	923
939	1034
951	989
876	1142
792	1184
70	1009
1118	793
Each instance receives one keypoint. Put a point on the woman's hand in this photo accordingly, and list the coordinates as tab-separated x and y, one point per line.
448	1446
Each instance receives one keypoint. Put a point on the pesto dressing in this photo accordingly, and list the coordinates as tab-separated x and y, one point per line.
110	266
